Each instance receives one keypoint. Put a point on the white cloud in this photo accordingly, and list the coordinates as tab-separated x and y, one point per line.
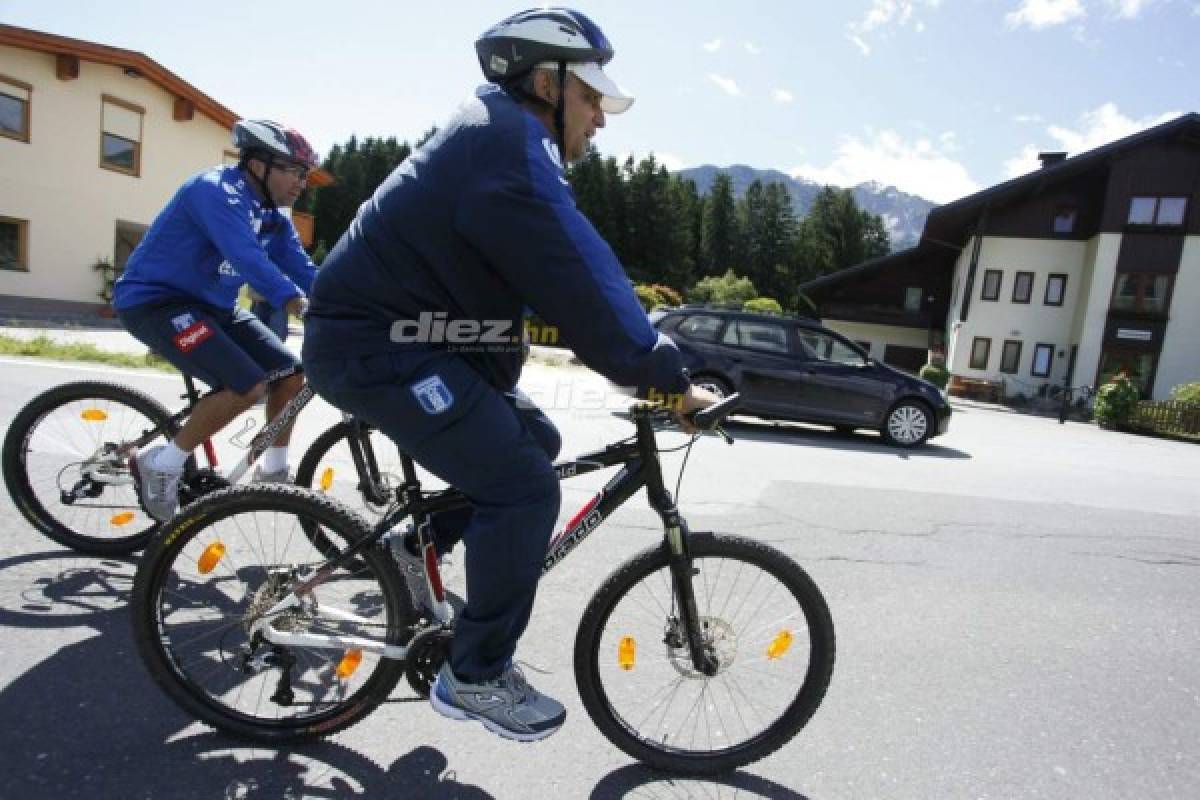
1027	118
1039	14
1093	129
885	156
884	15
752	48
672	162
727	85
712	46
782	96
1127	9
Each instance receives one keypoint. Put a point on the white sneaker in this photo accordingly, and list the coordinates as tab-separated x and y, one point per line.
278	476
157	488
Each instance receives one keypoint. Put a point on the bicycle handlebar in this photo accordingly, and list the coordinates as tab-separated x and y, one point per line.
707	419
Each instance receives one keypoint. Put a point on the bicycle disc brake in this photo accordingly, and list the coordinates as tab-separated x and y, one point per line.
720	642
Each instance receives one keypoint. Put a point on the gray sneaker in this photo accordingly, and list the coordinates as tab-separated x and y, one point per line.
507	706
158	488
412	567
278	476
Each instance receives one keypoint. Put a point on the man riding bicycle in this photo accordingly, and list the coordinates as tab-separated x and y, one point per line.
178	295
416	323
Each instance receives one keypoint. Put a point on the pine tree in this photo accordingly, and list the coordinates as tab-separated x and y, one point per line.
720	228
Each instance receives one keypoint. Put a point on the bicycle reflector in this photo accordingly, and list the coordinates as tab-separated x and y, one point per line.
124	518
210	557
349	663
94	415
326	479
626	653
780	644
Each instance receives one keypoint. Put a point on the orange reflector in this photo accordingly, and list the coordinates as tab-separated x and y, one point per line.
626	652
780	644
124	518
94	415
326	479
209	558
349	663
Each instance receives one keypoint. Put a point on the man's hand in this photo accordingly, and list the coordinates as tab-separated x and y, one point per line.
696	399
297	306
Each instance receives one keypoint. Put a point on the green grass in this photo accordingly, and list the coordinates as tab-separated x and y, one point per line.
45	347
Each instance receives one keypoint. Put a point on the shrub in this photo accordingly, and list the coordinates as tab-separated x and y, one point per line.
727	289
764	305
935	373
669	296
647	296
1116	400
1186	393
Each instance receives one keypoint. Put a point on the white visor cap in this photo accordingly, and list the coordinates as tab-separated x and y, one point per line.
614	99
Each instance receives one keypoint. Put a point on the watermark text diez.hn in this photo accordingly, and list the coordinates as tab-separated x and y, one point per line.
436	327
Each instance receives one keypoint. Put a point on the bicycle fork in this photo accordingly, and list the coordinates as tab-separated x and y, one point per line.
682	571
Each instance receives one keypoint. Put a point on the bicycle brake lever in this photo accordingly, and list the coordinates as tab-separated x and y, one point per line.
717	429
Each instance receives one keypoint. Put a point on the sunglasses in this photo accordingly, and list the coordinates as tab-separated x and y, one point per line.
297	171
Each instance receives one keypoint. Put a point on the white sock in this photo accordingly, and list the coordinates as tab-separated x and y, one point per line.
274	459
170	458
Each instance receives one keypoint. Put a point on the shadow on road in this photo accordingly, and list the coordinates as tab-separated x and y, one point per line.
89	722
636	782
795	433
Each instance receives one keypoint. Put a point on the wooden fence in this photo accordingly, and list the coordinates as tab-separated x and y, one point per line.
1169	416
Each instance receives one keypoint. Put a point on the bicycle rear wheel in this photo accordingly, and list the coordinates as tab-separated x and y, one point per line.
65	468
762	617
218	566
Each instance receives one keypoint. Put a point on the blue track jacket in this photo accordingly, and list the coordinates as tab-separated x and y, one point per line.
474	227
214	236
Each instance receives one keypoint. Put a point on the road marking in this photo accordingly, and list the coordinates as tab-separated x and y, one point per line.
90	367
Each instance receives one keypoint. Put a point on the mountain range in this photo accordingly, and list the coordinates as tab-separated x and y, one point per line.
903	214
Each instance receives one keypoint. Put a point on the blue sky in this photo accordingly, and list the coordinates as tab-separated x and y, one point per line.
937	97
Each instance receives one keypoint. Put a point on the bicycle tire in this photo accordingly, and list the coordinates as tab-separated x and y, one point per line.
591	647
21	487
158	648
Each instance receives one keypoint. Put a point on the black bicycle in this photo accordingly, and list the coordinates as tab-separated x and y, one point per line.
698	655
66	462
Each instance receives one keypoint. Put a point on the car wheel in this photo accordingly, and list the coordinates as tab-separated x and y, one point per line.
718	386
908	424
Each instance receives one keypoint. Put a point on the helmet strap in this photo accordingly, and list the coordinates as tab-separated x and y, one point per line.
559	113
268	160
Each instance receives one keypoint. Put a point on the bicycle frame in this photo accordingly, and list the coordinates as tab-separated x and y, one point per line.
640	468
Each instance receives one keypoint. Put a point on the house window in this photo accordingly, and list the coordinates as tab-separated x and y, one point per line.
1141	210
229	158
14	244
980	350
121	136
1141	291
1064	220
1042	356
1010	356
14	108
991	284
1170	210
1056	289
1157	210
866	346
912	299
1023	287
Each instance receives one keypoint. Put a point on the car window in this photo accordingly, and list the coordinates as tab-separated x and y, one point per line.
701	327
823	347
757	335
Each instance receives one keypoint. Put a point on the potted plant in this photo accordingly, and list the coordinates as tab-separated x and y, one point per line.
109	272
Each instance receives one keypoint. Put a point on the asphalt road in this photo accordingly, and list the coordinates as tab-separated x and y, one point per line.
1016	608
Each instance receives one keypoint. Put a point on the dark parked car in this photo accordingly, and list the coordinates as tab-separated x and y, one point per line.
794	368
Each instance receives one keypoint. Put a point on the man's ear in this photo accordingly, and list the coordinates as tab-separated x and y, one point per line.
545	86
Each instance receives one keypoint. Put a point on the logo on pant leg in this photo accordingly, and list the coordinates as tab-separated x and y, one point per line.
433	395
191	337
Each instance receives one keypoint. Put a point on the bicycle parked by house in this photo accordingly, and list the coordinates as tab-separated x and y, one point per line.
698	655
66	459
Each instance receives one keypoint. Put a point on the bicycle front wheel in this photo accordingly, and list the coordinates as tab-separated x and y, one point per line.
218	568
762	618
66	464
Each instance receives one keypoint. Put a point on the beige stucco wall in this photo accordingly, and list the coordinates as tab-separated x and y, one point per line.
55	181
957	286
1180	359
1030	323
879	336
1090	331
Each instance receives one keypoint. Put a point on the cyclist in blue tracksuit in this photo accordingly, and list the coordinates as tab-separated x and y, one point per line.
415	327
178	295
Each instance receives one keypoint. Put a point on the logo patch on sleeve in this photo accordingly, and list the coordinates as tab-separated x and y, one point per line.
182	322
193	336
433	395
